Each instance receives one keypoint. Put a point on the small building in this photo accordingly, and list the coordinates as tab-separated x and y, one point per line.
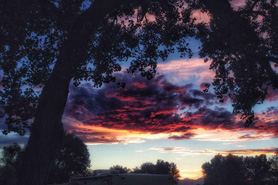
112	177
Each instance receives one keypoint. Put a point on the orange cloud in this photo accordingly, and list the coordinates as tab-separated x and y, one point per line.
93	135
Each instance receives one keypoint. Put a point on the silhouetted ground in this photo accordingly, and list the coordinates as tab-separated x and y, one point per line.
187	181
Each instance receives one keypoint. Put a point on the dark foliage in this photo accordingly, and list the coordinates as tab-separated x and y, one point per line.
37	33
72	160
236	170
10	154
120	169
242	44
46	44
274	168
9	164
161	167
8	175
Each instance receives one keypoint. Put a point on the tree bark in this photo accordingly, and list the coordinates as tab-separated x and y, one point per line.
47	130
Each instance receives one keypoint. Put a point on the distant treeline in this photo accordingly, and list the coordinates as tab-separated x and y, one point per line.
161	167
72	160
239	170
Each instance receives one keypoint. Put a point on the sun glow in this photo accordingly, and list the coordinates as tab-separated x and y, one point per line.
191	174
112	135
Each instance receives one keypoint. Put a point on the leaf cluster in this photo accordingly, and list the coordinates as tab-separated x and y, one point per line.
241	46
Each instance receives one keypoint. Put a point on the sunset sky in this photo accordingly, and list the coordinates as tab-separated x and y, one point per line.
168	118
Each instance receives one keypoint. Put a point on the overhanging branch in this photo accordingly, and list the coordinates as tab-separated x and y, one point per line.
272	59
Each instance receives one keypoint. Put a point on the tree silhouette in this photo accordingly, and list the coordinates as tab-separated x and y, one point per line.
10	154
274	168
120	168
161	167
8	175
224	170
258	169
47	44
164	167
236	170
147	167
72	160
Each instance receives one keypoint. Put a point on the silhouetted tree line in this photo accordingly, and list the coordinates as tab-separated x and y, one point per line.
239	170
160	167
73	159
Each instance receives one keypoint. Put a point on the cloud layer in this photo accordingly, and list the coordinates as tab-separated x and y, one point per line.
183	151
149	109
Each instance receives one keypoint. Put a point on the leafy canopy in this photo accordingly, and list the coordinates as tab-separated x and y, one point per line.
242	44
36	34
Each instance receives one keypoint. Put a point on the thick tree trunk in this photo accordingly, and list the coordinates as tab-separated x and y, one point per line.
47	130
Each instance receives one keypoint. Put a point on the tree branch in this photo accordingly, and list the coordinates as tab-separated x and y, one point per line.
272	59
48	8
252	12
273	77
254	4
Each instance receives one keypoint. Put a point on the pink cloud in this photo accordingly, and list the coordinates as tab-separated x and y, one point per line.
186	71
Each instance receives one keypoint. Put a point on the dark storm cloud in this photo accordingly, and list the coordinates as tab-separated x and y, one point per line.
267	121
86	100
272	110
208	97
100	140
249	136
188	135
219	116
212	118
153	106
144	105
272	95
